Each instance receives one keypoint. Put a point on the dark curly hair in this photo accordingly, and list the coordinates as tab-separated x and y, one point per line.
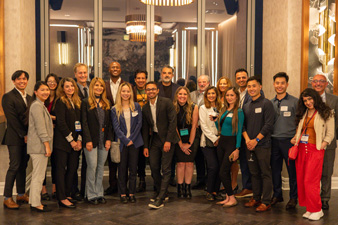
323	109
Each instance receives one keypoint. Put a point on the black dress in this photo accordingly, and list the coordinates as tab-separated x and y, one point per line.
182	128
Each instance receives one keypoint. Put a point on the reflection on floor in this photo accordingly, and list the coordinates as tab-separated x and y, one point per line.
195	211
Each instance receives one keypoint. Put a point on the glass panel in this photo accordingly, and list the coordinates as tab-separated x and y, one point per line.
322	33
177	45
127	49
72	37
225	40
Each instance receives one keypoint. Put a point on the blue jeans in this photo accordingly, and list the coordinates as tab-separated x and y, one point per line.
95	167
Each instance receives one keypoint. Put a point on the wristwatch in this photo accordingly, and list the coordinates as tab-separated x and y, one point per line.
257	139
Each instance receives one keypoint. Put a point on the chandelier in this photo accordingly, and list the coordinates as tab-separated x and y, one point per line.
167	2
137	27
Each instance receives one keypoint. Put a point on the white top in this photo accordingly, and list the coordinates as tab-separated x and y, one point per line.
126	114
23	95
208	127
241	97
114	88
153	113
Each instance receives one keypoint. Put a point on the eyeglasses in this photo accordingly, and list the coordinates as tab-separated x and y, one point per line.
319	81
151	89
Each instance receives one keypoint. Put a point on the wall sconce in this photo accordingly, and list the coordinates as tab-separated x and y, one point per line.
62	47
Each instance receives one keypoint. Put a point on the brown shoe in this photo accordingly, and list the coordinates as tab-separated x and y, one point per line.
252	203
10	204
244	193
262	207
22	199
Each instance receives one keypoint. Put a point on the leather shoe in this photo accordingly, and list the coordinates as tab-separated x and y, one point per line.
218	197
10	204
244	193
252	203
198	185
93	201
45	197
72	200
275	200
102	200
72	206
124	199
132	199
22	199
262	207
158	203
78	197
210	197
44	209
325	205
291	204
110	190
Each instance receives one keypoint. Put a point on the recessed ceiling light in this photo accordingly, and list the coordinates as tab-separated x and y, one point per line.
67	15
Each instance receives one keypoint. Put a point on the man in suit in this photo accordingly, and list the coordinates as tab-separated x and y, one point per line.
197	97
112	87
81	75
15	104
319	83
168	89
159	121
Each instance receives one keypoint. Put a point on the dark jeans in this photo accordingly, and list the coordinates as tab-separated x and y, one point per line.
129	157
141	164
53	169
18	159
213	182
75	188
280	151
243	162
158	158
227	144
199	159
112	172
66	167
328	163
260	170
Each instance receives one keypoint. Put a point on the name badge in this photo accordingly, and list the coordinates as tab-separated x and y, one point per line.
77	126
304	139
184	132
284	108
135	113
230	115
258	110
287	114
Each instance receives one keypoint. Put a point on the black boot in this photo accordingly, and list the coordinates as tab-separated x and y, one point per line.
142	185
180	190
187	191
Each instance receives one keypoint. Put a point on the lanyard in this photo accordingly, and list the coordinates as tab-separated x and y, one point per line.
307	122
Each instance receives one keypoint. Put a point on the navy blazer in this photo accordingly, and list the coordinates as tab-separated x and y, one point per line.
120	127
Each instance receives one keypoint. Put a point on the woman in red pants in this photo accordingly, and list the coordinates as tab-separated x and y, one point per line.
315	131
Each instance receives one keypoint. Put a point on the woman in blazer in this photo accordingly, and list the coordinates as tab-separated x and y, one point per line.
39	143
317	119
67	139
209	140
97	137
127	122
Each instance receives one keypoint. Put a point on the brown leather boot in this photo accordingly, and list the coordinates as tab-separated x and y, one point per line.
10	204
22	199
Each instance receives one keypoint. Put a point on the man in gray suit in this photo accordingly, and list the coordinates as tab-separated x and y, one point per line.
319	83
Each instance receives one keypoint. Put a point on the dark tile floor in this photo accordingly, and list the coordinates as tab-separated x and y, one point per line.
176	211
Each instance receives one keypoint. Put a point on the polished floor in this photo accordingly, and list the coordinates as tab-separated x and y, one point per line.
176	211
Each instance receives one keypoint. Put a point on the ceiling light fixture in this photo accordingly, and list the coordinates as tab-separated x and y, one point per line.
167	2
137	27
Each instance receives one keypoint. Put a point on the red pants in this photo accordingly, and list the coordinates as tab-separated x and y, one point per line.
309	166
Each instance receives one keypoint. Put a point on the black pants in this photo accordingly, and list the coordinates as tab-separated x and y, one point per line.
66	167
243	162
53	169
199	159
280	152
129	157
260	169
18	159
112	172
75	188
329	156
213	181
227	144
157	159
141	164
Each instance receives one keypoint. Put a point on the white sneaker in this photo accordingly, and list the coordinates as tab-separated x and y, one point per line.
306	215
316	215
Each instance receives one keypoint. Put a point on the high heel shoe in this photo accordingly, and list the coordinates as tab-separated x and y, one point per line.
72	200
44	209
72	206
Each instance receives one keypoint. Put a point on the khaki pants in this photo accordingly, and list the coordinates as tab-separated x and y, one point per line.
39	162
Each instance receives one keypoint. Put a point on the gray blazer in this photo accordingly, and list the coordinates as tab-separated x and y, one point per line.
40	128
332	102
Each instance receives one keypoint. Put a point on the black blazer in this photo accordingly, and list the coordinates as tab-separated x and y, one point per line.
80	92
161	90
91	126
15	112
65	125
166	121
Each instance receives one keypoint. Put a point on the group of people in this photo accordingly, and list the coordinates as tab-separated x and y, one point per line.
173	127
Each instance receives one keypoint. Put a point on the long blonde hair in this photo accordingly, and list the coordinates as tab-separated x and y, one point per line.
118	104
188	106
92	99
60	93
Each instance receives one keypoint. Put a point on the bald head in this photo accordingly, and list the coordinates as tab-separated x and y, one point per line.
115	70
319	83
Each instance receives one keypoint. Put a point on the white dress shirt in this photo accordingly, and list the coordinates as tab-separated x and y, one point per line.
23	95
153	113
114	88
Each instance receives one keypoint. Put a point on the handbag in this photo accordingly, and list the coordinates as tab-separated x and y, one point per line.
293	151
115	154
